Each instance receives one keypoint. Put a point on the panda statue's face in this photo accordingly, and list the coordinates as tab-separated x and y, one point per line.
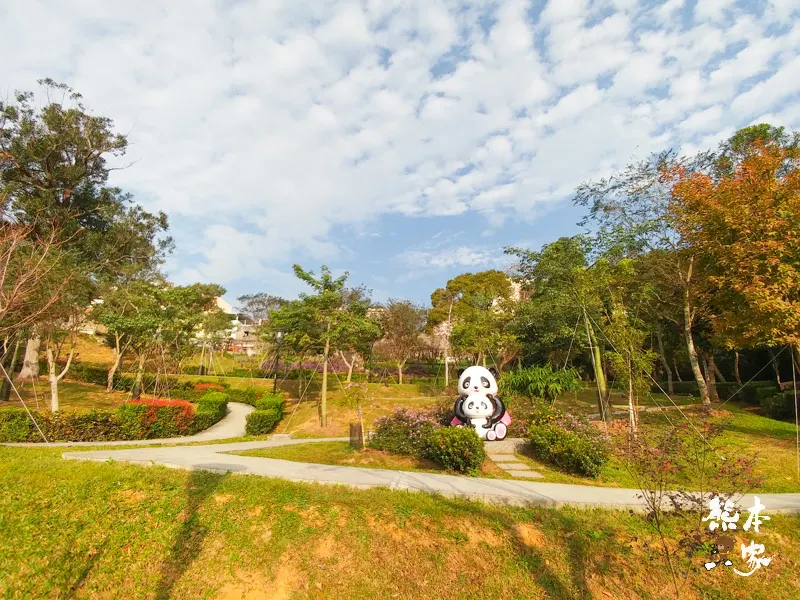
477	380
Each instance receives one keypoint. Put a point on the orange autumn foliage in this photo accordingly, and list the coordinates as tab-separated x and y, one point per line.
747	227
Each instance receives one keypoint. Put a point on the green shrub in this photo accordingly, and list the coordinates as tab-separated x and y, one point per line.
270	402
571	443
211	409
455	448
779	406
403	432
260	422
539	382
15	425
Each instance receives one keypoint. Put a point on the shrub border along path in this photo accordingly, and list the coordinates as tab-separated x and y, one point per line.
214	457
231	426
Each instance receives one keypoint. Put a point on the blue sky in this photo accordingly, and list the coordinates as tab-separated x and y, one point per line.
405	141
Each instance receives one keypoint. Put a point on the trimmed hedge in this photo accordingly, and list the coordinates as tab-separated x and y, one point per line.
779	406
260	422
682	388
271	402
751	393
141	419
455	448
211	409
569	442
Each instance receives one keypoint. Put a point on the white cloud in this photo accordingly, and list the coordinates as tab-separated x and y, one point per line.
266	129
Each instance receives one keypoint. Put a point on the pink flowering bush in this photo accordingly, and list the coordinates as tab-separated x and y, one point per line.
404	432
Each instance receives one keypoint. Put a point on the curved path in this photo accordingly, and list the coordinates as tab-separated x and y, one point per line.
502	491
231	426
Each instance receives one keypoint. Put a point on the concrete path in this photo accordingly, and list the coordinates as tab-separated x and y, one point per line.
501	491
230	427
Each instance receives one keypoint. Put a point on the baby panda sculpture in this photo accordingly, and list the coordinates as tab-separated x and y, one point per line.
479	406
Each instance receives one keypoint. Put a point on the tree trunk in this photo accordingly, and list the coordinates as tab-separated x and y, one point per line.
736	367
687	330
775	367
599	375
51	376
711	383
631	406
677	370
323	405
484	361
136	392
30	364
667	370
5	390
716	371
400	366
114	366
350	365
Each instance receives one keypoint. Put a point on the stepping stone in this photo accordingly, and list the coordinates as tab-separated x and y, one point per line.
515	466
526	474
503	457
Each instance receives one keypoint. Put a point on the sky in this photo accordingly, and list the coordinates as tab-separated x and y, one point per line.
403	141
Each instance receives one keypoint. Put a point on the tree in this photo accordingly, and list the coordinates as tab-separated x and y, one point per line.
53	176
259	306
631	210
456	303
402	322
746	224
324	321
564	291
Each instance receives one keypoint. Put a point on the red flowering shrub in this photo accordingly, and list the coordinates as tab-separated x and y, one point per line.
202	387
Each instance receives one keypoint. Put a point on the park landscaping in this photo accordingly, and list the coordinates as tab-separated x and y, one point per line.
158	533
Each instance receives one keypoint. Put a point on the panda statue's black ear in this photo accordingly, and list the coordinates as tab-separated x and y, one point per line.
493	371
460	371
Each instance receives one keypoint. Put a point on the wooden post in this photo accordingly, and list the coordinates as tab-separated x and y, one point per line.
356	436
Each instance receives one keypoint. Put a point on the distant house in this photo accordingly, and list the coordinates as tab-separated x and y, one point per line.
243	334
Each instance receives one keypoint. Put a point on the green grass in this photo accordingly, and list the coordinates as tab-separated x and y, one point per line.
108	530
72	395
340	453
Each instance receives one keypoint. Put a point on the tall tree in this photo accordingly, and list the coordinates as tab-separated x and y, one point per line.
402	323
746	223
324	321
631	211
565	302
53	175
259	306
457	302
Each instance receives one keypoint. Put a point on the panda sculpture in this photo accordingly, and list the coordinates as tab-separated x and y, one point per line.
479	406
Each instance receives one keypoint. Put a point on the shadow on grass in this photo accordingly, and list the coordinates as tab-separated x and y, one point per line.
90	563
580	552
189	541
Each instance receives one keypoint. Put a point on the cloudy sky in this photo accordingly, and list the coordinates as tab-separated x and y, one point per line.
405	141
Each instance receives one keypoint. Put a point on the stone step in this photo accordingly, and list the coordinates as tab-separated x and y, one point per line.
526	474
503	457
515	466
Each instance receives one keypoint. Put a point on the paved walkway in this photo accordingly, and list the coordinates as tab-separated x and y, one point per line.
502	491
230	427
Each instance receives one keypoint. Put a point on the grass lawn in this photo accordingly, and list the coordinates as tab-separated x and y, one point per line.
745	432
340	453
107	530
72	395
